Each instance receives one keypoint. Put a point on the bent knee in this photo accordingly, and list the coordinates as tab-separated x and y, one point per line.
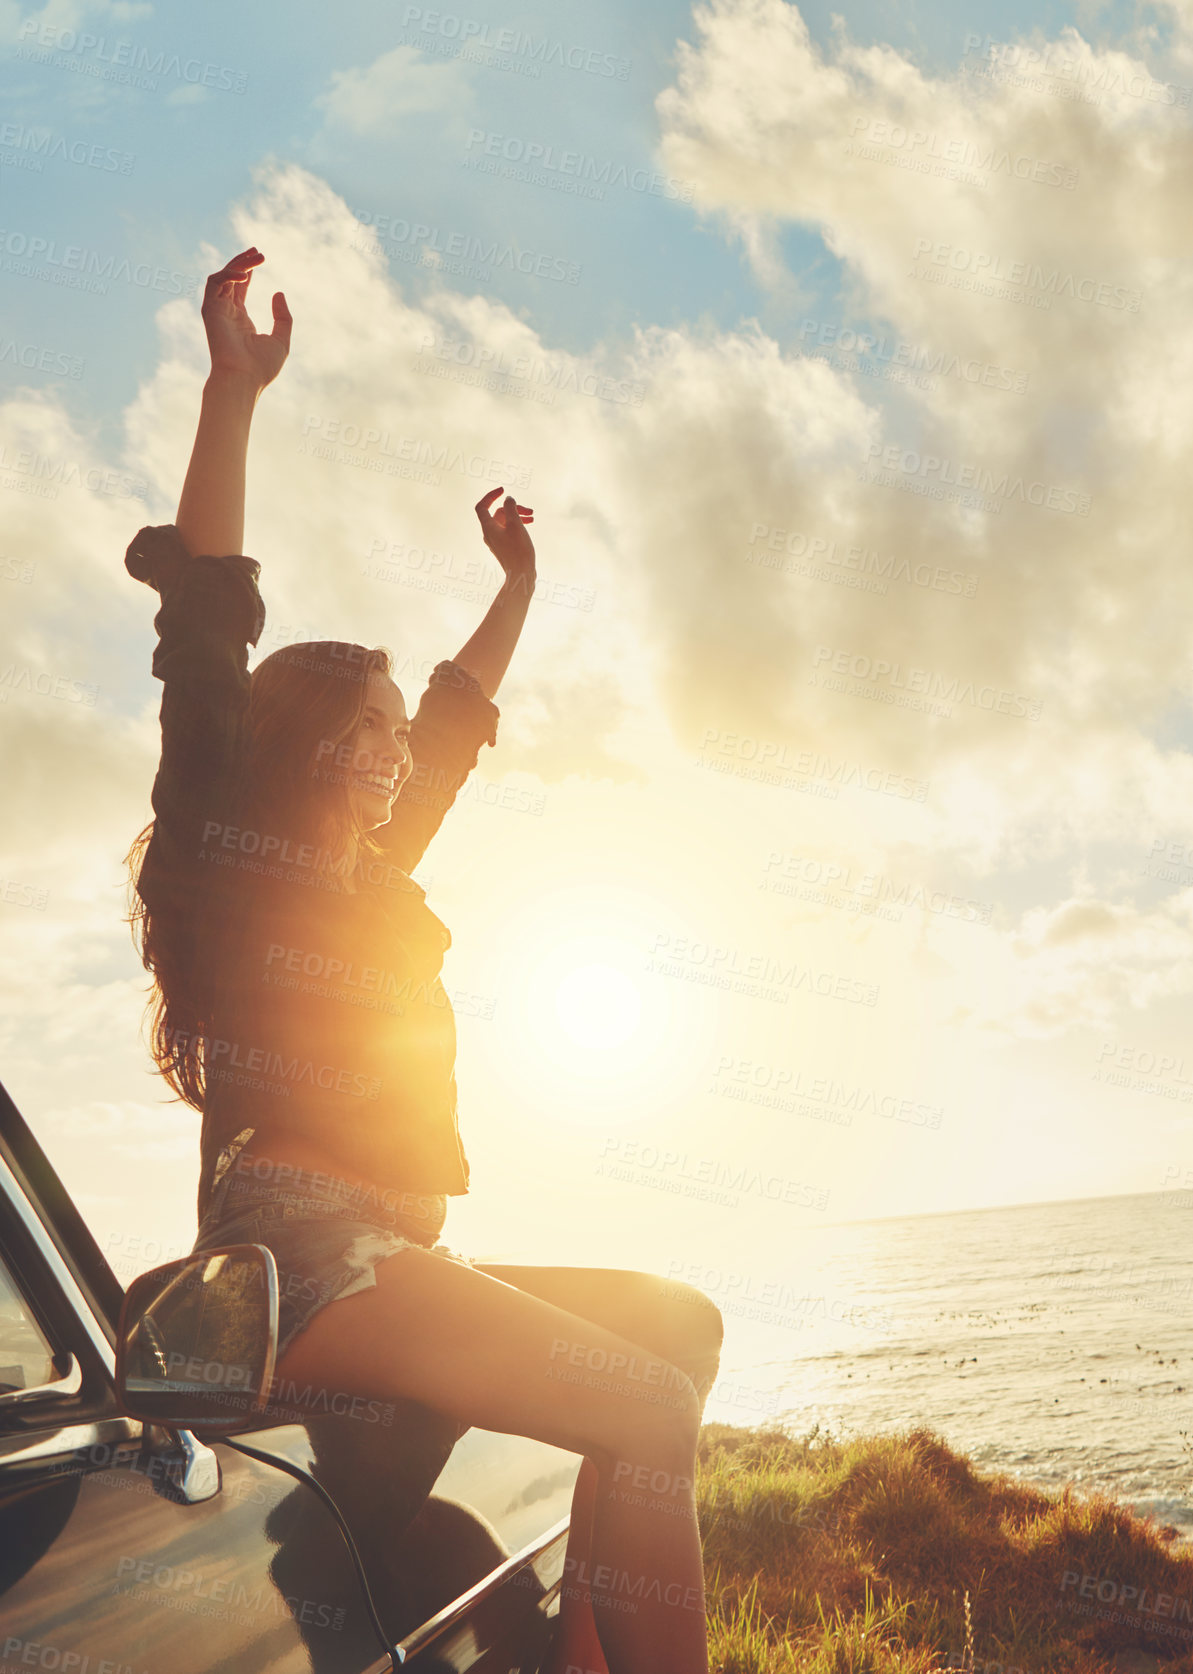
709	1320
692	1310
697	1331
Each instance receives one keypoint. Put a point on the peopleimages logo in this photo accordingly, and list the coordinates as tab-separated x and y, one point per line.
223	1059
703	1177
74	264
38	143
809	551
831	882
36	359
1143	1600
961	474
984	267
13	678
923	681
1091	79
199	1593
832	334
537	154
990	158
769	757
516	44
147	63
480	254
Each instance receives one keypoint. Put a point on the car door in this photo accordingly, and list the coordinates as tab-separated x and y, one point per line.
463	1545
105	1566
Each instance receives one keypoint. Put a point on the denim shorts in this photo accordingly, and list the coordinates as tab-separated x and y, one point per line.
326	1236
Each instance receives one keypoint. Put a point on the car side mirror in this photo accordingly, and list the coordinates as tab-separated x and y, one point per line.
197	1340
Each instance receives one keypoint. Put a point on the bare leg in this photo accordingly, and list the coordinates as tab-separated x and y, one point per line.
490	1354
674	1320
576	1643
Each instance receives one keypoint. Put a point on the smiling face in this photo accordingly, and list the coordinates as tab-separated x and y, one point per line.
381	761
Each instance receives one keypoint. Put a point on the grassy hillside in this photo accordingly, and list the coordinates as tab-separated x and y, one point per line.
857	1558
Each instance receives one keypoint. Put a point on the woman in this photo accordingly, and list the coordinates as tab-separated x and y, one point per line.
297	1003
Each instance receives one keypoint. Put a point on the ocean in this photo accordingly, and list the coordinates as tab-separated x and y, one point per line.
1053	1341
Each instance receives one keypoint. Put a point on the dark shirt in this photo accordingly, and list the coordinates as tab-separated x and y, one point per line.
328	1017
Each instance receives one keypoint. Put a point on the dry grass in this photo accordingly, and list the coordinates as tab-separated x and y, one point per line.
893	1555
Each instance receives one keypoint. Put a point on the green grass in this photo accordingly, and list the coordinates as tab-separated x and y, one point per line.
893	1555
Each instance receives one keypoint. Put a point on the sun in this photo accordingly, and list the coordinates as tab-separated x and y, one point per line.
587	1004
589	1024
598	1005
588	1027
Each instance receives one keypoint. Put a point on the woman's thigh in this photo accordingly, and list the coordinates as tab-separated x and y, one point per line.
491	1354
670	1319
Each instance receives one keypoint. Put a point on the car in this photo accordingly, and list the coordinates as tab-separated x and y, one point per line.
359	1540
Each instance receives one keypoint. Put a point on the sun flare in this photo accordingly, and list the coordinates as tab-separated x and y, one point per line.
598	1005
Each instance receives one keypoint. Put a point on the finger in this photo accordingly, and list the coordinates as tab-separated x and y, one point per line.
283	320
235	269
482	508
221	286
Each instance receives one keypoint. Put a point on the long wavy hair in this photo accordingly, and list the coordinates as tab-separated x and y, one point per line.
305	700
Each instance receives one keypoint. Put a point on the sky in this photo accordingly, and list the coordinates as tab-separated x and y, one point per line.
835	858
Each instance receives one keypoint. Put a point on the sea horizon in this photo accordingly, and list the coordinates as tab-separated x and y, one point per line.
1027	1203
1051	1340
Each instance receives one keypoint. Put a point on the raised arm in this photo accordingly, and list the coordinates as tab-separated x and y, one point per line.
210	610
457	714
487	654
210	515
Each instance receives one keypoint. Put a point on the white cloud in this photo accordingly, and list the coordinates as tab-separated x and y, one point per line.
377	439
127	1128
376	101
1080	964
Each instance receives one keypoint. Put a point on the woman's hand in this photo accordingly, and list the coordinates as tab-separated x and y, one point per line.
236	346
487	654
505	533
210	515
